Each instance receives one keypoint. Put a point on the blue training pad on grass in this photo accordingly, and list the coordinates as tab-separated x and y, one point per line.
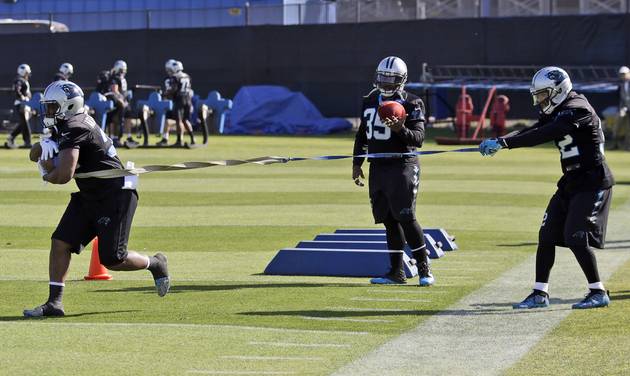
277	110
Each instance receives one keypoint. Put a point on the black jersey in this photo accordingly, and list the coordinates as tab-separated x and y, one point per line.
375	137
170	88
96	152
576	130
21	88
103	81
60	77
182	92
120	80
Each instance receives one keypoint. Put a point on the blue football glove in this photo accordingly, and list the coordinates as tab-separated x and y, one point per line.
489	147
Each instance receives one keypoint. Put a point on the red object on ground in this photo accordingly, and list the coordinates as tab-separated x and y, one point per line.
97	270
463	114
388	109
498	114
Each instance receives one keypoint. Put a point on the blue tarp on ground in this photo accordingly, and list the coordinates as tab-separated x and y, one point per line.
277	110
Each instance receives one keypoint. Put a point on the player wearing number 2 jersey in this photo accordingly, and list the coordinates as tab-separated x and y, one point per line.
394	182
577	214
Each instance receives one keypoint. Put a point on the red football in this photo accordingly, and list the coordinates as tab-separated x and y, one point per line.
391	108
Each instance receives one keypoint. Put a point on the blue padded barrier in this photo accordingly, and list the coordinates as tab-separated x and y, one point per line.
98	103
334	262
158	106
446	241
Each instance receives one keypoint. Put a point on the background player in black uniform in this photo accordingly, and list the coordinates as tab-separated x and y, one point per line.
66	70
102	207
168	92
120	118
394	182
577	214
22	91
178	88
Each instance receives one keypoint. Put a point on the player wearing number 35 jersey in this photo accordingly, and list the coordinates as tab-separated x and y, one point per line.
394	182
577	213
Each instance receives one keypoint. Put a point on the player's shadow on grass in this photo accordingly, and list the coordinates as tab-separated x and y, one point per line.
620	295
176	288
527	244
509	304
498	309
22	318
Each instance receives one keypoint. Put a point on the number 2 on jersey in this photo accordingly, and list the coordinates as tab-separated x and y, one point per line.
376	129
567	150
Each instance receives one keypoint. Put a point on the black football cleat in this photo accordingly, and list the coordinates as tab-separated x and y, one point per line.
45	310
160	275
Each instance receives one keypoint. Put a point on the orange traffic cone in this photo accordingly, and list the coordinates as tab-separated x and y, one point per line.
97	271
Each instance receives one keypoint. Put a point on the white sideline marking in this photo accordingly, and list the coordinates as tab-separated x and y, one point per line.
210	372
481	334
386	290
251	357
293	344
344	319
362	299
181	326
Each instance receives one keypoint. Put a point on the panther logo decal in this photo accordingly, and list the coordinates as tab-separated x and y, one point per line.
556	76
71	91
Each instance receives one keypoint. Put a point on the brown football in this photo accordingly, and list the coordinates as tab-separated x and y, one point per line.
390	109
36	152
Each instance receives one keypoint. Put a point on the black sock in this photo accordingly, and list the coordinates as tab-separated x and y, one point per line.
396	259
55	294
545	258
586	258
421	256
395	244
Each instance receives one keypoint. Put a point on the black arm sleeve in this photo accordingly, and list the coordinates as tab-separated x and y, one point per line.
538	134
412	134
360	143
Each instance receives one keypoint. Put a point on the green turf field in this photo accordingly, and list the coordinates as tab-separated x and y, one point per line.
221	226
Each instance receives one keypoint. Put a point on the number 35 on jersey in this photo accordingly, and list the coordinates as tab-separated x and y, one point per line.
375	129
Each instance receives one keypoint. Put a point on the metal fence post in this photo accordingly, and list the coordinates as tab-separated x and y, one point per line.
299	14
50	21
358	11
246	8
148	17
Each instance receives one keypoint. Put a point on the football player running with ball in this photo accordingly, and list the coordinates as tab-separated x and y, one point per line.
102	207
577	213
394	182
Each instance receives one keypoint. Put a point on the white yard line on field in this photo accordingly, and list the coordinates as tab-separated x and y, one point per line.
346	319
414	290
367	309
362	299
481	334
211	372
293	344
180	326
252	357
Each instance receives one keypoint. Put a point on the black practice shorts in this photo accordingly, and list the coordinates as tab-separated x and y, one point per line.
120	112
181	111
109	219
393	189
577	219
